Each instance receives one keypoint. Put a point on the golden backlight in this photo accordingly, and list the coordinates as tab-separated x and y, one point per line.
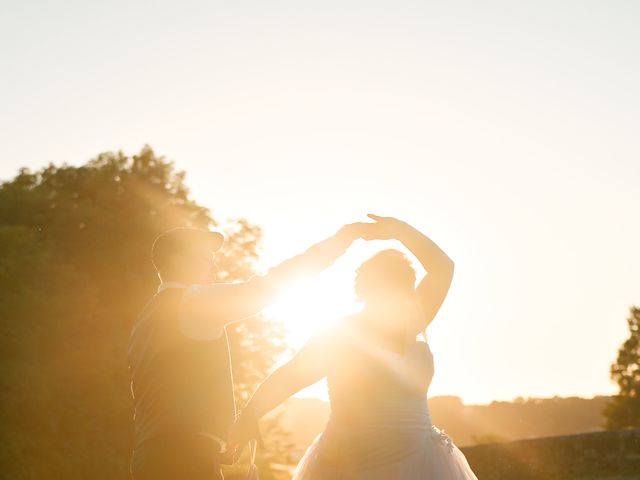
318	303
315	304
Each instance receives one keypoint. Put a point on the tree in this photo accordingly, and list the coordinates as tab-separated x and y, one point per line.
74	271
624	409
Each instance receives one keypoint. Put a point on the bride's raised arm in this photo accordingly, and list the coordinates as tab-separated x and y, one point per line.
433	288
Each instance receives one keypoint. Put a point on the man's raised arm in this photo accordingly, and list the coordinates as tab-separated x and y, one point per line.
206	309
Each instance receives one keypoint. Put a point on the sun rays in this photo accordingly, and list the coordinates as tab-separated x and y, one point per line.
315	304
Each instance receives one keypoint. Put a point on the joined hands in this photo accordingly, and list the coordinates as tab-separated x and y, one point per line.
383	228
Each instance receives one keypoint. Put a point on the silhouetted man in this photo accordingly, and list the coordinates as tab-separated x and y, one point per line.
179	356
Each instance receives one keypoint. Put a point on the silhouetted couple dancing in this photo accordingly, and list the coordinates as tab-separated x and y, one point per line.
377	370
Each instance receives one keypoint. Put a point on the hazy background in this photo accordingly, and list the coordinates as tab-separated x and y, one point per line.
507	132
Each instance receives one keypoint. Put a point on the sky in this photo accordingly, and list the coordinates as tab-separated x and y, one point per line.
506	131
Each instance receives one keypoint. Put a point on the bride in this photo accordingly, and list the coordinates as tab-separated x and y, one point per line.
378	374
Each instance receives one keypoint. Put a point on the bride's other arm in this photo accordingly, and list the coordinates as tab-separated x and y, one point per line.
306	368
433	288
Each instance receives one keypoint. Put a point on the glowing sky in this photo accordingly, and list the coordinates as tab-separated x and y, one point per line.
507	131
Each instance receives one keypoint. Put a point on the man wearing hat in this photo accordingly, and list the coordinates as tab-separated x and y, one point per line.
179	355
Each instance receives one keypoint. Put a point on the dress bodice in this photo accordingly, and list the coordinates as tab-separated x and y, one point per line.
378	400
365	378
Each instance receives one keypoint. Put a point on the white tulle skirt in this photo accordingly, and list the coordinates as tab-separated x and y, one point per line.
432	457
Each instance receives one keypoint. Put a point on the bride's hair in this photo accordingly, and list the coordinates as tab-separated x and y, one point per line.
387	273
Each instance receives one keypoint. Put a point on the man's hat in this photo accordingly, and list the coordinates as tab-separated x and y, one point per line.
183	239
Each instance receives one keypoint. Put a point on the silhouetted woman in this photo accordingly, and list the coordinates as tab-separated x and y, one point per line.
378	374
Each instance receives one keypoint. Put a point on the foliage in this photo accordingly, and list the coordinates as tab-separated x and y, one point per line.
74	272
487	439
624	409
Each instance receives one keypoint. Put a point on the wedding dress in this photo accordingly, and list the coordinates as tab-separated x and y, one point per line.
380	427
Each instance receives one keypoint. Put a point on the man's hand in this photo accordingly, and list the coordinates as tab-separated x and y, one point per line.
243	431
353	231
384	228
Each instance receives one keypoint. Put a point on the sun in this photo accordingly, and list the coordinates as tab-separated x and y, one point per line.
314	304
311	307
